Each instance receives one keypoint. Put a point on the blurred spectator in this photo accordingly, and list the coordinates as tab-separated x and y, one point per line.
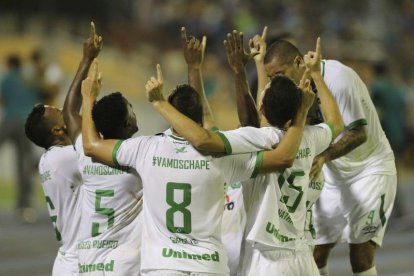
17	100
45	77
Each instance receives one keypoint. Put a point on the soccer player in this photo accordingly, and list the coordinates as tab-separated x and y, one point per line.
276	225
109	233
359	168
59	173
183	187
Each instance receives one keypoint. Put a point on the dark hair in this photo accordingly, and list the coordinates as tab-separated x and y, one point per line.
110	115
186	100
36	127
283	50
37	55
281	101
13	61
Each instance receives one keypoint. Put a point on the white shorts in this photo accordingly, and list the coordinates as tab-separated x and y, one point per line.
355	213
279	262
66	264
167	272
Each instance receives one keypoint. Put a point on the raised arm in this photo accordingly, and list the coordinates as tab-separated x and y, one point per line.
237	58
95	147
194	57
73	101
198	136
258	42
285	153
330	108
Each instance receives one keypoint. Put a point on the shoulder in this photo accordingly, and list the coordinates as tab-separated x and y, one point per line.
58	158
338	75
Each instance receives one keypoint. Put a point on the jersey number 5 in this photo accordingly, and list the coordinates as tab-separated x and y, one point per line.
179	208
290	191
109	212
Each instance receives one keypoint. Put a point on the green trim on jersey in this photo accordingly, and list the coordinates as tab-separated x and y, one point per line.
258	165
115	152
323	68
227	146
357	123
177	138
214	129
332	131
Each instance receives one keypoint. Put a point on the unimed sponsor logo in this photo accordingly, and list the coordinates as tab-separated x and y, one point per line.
84	268
169	253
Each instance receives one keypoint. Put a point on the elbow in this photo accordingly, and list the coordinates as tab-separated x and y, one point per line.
89	149
288	162
339	128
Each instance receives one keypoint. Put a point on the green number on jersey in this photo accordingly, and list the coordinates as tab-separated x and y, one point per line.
109	212
53	218
290	191
178	207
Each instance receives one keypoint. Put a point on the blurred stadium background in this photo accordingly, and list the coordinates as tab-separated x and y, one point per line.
375	37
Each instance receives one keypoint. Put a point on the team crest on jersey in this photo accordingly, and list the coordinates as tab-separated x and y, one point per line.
181	150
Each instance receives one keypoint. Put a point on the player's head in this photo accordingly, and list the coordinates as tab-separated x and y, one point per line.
281	101
186	100
13	62
283	58
114	117
45	127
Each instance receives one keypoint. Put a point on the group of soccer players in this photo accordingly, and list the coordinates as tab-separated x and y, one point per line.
310	167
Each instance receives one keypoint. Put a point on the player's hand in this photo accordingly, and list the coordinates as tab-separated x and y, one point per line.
193	49
154	87
91	86
258	44
313	58
93	45
308	96
317	165
236	54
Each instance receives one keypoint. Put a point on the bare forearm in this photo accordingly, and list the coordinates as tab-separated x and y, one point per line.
94	146
73	100
246	108
351	140
188	129
195	79
329	106
262	80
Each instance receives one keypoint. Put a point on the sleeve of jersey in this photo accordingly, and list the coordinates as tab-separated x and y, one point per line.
249	139
126	152
242	167
347	90
322	136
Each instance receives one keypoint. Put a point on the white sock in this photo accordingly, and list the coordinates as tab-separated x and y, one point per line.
370	272
324	271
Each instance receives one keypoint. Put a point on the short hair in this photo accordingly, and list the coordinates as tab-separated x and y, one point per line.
283	50
186	100
37	128
281	101
110	115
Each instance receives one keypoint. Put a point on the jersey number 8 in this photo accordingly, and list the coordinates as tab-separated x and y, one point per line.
178	207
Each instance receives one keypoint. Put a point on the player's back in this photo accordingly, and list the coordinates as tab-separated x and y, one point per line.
357	108
112	196
184	196
61	182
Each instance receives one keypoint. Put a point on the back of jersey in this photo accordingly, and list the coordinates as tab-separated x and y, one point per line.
111	198
61	181
184	196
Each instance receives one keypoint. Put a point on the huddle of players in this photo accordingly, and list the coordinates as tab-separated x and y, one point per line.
95	176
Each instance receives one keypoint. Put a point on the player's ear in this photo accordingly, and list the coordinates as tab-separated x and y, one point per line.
299	62
58	130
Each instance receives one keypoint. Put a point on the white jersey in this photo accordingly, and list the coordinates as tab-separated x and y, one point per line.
233	224
184	197
111	210
314	191
356	107
61	181
280	209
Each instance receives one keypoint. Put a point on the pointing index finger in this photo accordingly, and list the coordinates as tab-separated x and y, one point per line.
159	73
183	35
264	33
318	46
93	31
203	42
